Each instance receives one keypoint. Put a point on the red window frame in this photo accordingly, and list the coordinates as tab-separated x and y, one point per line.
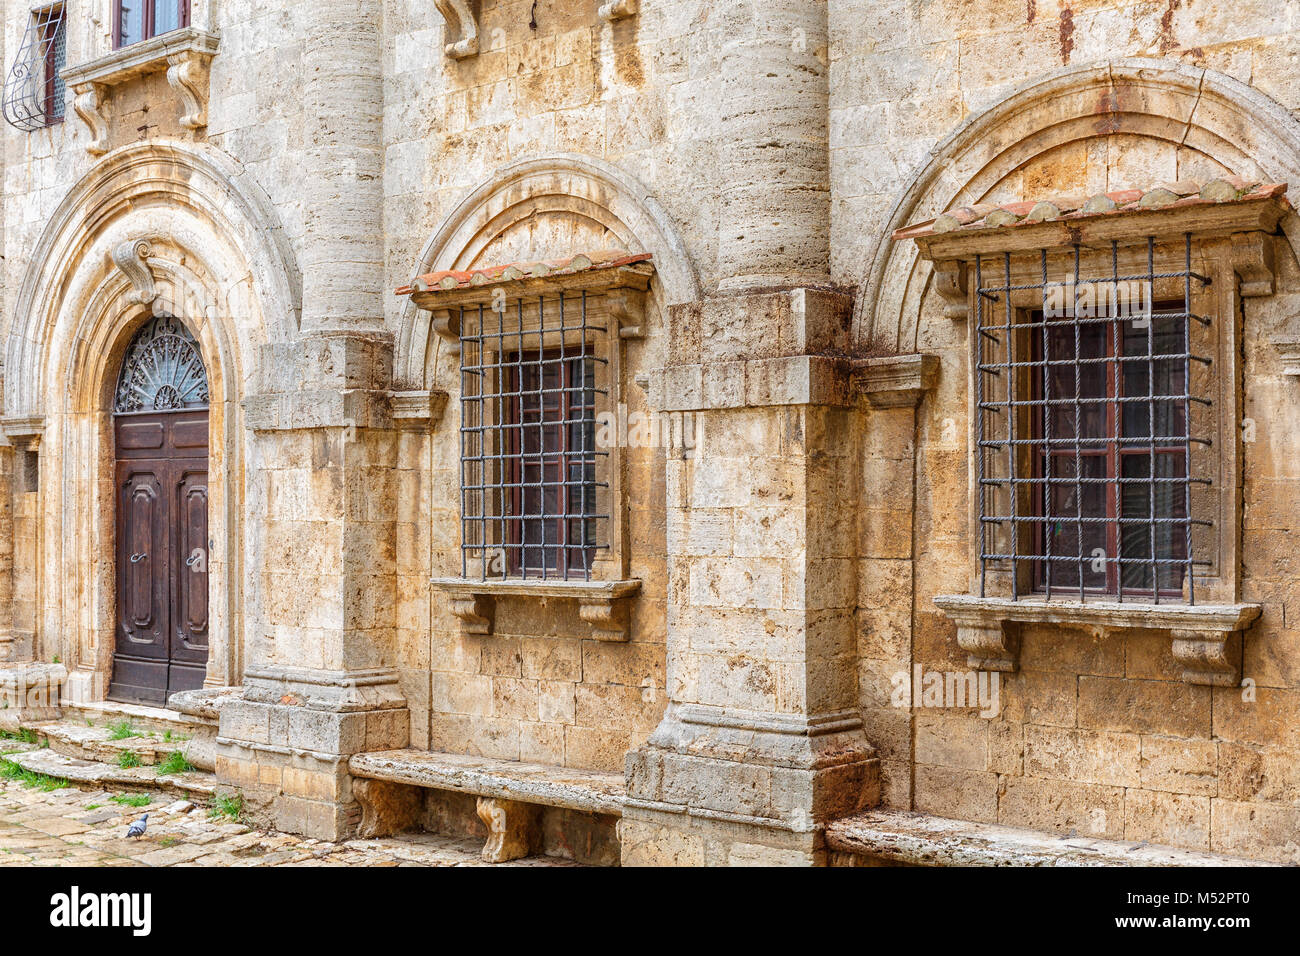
1112	451
149	24
526	409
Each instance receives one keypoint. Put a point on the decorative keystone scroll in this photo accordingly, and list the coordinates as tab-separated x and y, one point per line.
184	55
1205	638
619	9
457	14
132	258
602	604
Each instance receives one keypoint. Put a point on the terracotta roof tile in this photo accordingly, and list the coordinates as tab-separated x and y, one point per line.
450	279
1184	192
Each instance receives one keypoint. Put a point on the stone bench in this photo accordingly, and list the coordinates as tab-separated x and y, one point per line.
510	794
918	839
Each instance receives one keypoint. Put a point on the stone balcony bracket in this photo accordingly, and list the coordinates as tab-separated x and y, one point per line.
184	54
462	25
604	605
618	9
1204	638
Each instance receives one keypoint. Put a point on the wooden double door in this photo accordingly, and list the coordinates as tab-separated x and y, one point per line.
162	555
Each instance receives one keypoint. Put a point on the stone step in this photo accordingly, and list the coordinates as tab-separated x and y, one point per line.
96	743
158	720
198	786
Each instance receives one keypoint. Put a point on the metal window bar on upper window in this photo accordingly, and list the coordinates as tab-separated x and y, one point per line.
532	374
34	90
1085	428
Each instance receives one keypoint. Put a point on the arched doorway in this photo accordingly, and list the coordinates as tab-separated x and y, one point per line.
160	430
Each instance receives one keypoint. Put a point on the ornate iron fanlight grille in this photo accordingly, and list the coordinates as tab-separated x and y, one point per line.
163	370
34	90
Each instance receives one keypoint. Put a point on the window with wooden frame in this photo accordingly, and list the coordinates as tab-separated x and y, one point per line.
1105	386
34	93
137	20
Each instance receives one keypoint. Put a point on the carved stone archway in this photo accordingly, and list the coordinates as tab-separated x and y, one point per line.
154	228
1231	124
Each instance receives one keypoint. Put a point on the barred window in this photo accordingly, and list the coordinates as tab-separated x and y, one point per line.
34	90
1092	415
534	373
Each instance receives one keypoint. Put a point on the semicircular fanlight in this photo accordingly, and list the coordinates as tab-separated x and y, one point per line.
163	370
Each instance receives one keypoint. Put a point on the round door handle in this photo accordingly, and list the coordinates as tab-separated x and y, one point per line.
137	558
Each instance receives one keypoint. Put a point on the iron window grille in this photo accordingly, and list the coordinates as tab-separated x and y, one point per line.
1091	418
534	372
136	20
34	90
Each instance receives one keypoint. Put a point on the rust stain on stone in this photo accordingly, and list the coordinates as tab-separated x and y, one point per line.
1031	10
1108	110
1067	33
627	52
1165	37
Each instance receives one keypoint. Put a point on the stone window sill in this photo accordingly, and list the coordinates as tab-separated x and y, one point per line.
1201	635
602	604
184	54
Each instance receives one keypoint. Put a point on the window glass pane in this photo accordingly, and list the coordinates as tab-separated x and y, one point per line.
132	21
166	16
1067	536
1170	536
1078	370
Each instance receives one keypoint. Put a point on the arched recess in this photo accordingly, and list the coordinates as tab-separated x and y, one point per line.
153	228
554	205
1228	124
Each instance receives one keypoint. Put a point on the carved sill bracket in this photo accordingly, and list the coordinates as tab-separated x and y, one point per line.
1205	638
1289	351
1252	259
184	55
419	409
952	284
602	604
460	24
895	381
619	9
514	829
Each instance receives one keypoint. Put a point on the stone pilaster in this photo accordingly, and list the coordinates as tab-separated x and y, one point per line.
320	685
762	741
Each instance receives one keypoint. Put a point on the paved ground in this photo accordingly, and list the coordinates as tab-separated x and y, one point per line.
71	827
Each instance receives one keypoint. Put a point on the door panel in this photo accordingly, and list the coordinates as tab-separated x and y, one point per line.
162	555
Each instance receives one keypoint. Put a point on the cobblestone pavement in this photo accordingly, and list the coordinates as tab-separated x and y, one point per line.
71	827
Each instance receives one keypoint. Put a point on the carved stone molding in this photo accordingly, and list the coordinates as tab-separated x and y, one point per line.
895	381
627	306
603	604
184	55
446	325
619	9
87	104
1203	637
132	258
187	75
460	19
1289	351
950	282
419	409
1252	259
513	828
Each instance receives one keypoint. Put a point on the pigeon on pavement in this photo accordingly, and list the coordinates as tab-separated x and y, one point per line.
137	829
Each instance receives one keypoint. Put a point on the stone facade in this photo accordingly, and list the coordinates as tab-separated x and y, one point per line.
292	164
